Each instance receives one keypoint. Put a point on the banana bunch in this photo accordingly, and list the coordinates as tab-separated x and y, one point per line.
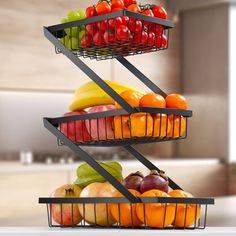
90	94
87	175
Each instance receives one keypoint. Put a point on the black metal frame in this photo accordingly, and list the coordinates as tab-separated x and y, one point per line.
51	33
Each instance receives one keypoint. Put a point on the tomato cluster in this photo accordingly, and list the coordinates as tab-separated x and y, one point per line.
124	29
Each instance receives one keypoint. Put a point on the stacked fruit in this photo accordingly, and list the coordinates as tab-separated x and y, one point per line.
116	30
90	98
90	184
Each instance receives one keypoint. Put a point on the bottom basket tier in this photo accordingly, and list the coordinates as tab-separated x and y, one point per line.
118	212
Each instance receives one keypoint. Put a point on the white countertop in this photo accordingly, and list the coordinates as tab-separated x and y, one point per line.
39	231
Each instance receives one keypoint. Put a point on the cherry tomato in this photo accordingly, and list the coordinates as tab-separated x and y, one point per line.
122	32
114	23
125	20
151	39
159	12
141	37
86	41
91	29
129	2
161	41
135	25
147	12
134	8
116	9
102	25
117	4
90	11
103	7
98	39
157	29
109	37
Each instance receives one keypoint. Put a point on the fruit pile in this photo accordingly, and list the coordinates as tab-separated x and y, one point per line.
90	98
90	184
116	31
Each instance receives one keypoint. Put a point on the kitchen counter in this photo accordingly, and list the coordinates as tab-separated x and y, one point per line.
38	231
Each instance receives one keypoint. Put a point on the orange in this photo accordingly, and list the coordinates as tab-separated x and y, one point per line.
131	97
152	100
125	214
134	125
178	126
176	101
192	211
157	215
161	125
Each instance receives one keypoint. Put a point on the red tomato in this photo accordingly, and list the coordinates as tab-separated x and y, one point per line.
159	12
151	39
116	9
135	25
125	20
103	8
123	33
109	37
91	29
141	37
147	12
90	11
102	25
129	2
157	29
86	41
161	41
134	8
98	39
117	4
114	23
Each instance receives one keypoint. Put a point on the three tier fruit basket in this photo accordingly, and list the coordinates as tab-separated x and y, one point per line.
119	49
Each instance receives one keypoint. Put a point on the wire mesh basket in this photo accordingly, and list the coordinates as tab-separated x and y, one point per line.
118	212
108	36
116	127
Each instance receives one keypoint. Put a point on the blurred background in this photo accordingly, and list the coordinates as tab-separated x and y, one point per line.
35	83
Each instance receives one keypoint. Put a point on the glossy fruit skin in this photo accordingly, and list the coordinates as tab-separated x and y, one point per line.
159	12
90	11
86	41
162	125
102	25
176	101
75	131
131	97
116	9
91	29
126	126
157	215
101	128
97	190
157	29
64	217
152	100
125	213
129	2
147	12
98	39
117	4
134	8
151	39
178	126
103	8
133	181
161	41
192	212
109	37
135	25
154	182
141	38
125	20
114	23
122	33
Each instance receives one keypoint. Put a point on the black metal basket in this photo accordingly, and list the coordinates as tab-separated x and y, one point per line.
118	212
99	38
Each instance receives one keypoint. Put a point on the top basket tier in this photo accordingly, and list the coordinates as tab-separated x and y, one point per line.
101	38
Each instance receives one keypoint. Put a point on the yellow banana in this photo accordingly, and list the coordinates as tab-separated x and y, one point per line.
90	94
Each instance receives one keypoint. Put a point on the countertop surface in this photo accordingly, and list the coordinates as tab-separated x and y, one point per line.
38	231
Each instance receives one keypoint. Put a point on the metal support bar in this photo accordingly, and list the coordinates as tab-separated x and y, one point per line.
89	72
87	158
140	76
149	164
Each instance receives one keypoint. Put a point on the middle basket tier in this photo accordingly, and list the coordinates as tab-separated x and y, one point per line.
119	128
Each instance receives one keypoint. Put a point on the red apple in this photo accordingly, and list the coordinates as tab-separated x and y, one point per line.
100	214
101	128
75	130
62	214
